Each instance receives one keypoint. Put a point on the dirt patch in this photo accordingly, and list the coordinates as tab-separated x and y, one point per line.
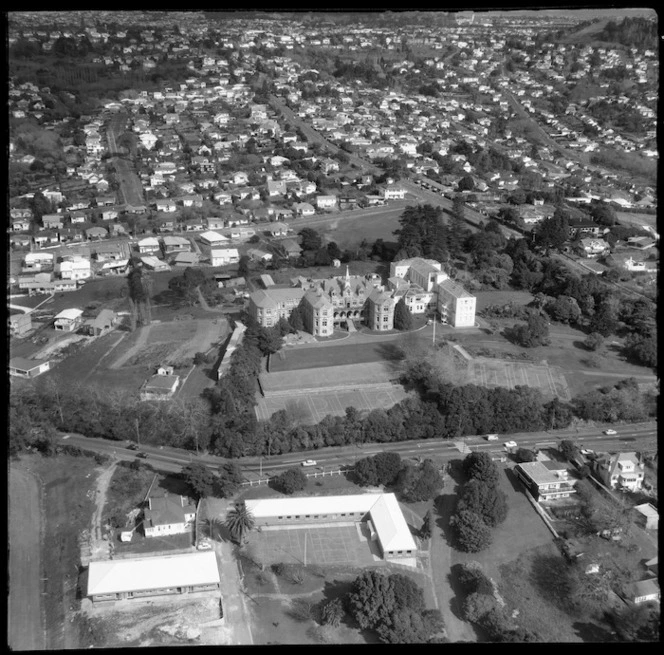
150	356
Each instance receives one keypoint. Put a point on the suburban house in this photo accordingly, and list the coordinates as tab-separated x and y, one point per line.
326	202
160	387
592	247
304	209
104	252
583	227
278	229
648	516
139	577
256	254
290	248
166	515
68	320
104	322
214	223
53	221
75	268
642	591
19	324
96	233
224	256
185	259
154	263
213	239
28	368
394	192
623	471
37	261
545	480
148	245
379	513
175	244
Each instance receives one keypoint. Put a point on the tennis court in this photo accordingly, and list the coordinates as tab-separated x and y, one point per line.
342	543
501	373
312	406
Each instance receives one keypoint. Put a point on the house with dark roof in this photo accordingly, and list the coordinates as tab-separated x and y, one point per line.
167	515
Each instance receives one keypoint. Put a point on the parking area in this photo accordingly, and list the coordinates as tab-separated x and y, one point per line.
346	544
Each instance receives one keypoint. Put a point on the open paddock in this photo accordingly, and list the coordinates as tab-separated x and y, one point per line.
501	373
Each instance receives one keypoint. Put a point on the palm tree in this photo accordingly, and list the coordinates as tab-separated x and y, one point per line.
239	521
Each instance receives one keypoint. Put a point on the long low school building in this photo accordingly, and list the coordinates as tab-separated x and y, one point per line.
153	576
382	511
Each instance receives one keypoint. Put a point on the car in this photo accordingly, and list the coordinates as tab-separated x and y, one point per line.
309	462
610	432
66	436
132	446
142	455
510	444
204	545
491	437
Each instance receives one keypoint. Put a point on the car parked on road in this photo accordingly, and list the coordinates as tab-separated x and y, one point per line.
610	432
132	446
309	462
142	455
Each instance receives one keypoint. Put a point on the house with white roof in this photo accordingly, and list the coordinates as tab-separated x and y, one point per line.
380	511
213	239
224	256
140	577
148	245
75	268
68	320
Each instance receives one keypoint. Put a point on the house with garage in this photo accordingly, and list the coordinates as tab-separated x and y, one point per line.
379	512
28	368
185	259
141	577
154	263
75	268
68	320
304	209
96	233
173	244
167	515
53	221
215	223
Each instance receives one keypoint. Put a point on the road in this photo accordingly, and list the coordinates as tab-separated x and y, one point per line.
637	437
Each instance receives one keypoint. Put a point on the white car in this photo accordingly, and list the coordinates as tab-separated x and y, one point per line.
610	432
510	444
492	437
309	462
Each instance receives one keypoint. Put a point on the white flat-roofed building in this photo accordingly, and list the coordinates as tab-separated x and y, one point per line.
545	480
455	305
153	576
211	238
224	256
391	529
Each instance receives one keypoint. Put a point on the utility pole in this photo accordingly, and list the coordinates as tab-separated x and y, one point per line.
138	436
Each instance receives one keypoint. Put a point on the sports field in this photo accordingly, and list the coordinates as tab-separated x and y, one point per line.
550	380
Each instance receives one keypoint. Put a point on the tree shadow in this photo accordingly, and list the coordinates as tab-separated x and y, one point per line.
514	481
390	351
591	632
581	346
172	484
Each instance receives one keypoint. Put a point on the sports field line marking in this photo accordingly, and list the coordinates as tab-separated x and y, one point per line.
509	374
337	402
312	408
551	382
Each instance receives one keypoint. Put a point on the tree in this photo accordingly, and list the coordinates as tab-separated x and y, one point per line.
564	309
552	233
365	472
525	455
485	500
290	481
332	612
296	320
426	528
471	532
269	340
642	349
403	318
466	183
477	605
200	359
569	449
387	466
604	319
533	333
199	478
243	269
239	521
311	240
593	341
425	484
230	478
478	466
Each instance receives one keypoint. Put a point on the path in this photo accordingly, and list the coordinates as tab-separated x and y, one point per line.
441	554
99	547
141	340
25	624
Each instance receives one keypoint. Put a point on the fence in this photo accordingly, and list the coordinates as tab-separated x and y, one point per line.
315	474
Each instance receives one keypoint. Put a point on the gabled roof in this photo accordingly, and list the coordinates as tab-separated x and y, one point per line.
144	573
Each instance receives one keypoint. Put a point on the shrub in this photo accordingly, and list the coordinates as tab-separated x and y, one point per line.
290	481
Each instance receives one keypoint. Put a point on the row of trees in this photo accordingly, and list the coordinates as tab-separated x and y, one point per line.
481	505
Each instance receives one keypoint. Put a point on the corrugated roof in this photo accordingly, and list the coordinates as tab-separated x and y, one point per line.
143	573
390	525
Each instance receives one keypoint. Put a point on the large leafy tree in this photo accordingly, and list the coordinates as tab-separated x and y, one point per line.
478	466
387	466
552	233
239	521
311	240
485	500
535	332
200	479
471	532
422	233
290	481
